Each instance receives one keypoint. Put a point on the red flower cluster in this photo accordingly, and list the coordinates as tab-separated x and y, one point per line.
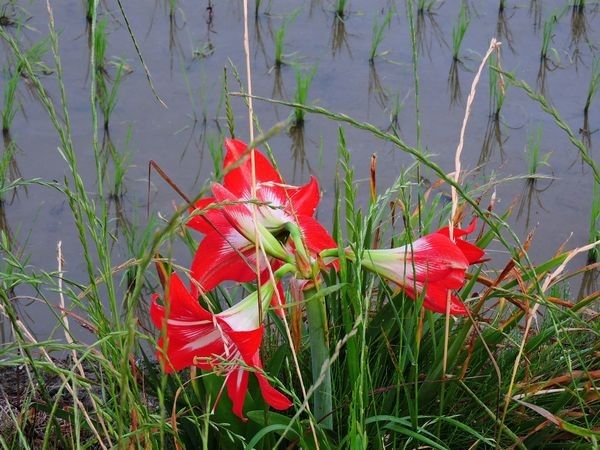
230	341
281	217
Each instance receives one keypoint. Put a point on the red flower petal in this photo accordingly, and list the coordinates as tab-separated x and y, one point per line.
190	329
303	200
315	235
238	214
435	299
237	386
208	221
217	260
436	257
239	180
272	396
248	343
471	252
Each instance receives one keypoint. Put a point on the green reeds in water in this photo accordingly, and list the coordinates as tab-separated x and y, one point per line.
593	86
547	33
534	158
303	82
280	35
459	31
107	86
497	87
9	107
340	8
377	36
425	6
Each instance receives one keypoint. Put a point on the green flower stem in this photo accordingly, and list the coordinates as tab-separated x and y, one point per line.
318	333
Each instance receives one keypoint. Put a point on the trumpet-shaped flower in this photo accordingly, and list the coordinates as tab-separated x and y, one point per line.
432	267
232	218
227	342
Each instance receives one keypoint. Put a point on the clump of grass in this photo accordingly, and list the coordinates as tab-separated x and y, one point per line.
497	87
107	86
534	159
547	33
377	36
279	40
280	35
303	82
593	86
121	163
9	107
459	31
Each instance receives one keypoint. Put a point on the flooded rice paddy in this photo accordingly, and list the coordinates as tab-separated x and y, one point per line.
187	44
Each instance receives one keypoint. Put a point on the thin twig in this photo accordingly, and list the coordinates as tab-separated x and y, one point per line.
494	45
139	53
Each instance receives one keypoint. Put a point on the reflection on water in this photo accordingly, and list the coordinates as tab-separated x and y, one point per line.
535	11
531	193
376	89
454	83
427	31
298	149
339	38
503	32
492	139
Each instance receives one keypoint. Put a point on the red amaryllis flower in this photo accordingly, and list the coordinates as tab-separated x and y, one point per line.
227	342
432	266
227	251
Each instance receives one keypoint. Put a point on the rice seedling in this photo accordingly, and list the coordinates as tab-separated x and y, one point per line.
459	31
593	86
534	159
497	87
9	106
303	81
121	163
280	35
89	10
340	8
377	36
548	32
425	6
